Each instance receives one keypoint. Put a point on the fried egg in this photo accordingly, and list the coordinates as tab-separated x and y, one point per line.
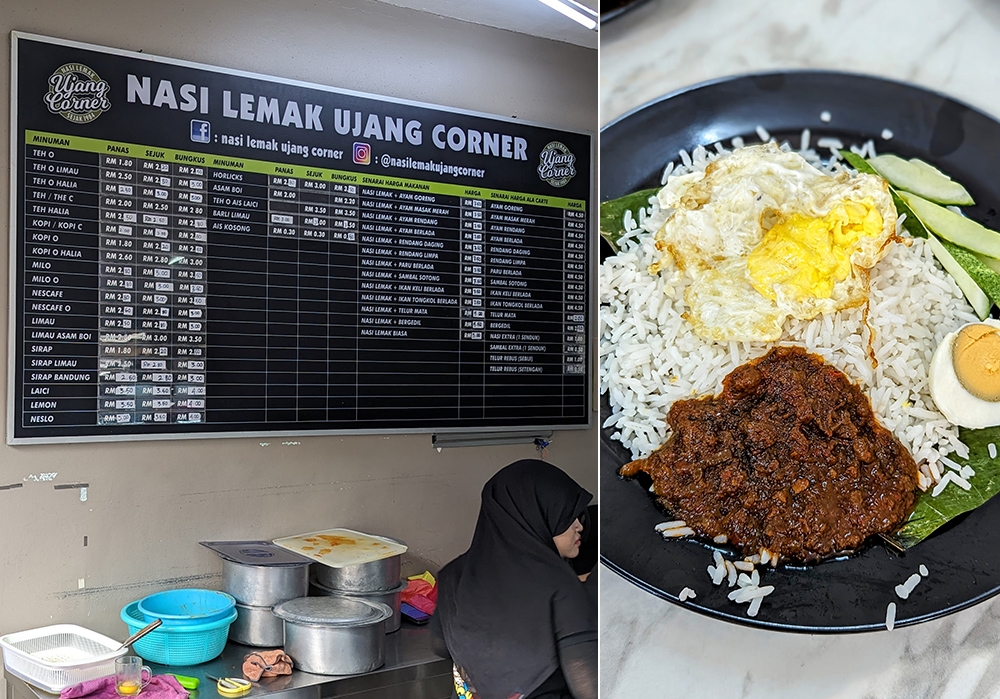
764	235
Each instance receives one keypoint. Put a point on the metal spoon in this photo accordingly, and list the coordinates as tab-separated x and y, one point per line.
139	634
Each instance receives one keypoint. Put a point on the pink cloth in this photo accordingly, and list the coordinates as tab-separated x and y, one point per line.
159	687
421	595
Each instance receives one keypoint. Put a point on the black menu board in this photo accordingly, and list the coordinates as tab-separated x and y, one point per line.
198	251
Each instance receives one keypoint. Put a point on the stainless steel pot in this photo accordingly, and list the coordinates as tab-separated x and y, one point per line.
264	586
257	626
391	598
373	576
334	635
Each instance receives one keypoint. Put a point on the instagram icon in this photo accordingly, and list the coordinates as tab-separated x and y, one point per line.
362	154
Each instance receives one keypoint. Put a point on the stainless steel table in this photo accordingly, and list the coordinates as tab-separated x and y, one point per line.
411	671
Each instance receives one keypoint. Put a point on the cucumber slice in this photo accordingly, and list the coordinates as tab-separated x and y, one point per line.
990	262
985	277
977	297
960	230
920	178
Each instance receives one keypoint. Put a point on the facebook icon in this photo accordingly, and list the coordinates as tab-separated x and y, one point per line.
201	131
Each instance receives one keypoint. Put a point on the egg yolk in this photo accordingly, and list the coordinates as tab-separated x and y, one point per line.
976	357
807	256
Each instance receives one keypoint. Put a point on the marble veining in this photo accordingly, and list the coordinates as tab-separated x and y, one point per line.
650	647
663	45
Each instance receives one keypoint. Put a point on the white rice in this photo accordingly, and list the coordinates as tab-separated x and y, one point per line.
748	588
923	570
825	116
890	616
993	450
960	482
670	525
686	594
733	576
903	591
887	134
650	357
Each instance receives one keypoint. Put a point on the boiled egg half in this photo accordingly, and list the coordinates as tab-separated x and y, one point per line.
965	375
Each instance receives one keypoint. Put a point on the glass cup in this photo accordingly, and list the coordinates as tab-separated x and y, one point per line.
129	679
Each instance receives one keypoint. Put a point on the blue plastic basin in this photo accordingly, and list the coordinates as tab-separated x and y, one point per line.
186	607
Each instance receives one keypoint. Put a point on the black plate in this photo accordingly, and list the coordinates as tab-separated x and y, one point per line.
840	595
610	10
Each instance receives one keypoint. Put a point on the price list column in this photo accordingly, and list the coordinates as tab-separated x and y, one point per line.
472	401
313	300
575	293
61	286
282	299
170	275
117	344
187	291
343	285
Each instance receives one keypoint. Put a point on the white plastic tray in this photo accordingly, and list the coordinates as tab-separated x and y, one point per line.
339	548
55	657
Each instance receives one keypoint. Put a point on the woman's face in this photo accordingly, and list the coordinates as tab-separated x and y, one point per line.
568	543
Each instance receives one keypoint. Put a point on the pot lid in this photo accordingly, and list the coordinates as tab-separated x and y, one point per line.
339	548
352	593
255	553
333	611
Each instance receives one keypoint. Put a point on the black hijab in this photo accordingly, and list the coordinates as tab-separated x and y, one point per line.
506	602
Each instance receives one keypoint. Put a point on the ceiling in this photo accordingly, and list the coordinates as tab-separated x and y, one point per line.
522	16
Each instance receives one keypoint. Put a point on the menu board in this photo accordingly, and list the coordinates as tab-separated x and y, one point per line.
198	251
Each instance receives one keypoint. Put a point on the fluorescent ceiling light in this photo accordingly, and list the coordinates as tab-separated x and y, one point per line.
575	11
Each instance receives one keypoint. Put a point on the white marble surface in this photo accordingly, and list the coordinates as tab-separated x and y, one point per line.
653	648
949	45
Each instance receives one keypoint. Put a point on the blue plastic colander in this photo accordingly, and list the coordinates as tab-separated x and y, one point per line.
178	645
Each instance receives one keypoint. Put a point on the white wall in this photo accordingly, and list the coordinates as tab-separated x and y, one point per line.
149	503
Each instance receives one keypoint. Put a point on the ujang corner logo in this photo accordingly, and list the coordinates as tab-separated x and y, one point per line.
555	164
77	93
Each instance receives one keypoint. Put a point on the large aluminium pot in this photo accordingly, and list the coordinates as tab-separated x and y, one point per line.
264	586
257	626
373	576
391	598
334	635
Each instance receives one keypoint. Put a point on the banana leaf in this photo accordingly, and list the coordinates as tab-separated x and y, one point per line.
932	512
612	218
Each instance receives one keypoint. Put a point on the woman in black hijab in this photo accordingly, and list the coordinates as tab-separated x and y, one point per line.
511	612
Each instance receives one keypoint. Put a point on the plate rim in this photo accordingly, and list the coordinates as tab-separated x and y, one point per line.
735	77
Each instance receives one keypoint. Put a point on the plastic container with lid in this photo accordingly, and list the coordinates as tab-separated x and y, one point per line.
350	560
334	635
